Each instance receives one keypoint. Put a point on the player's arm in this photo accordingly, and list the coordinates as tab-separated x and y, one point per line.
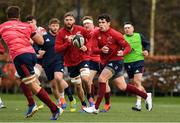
4	56
145	44
126	48
62	43
37	38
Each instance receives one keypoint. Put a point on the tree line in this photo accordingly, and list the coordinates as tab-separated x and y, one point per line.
167	36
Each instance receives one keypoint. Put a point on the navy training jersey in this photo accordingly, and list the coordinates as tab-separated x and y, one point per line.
50	56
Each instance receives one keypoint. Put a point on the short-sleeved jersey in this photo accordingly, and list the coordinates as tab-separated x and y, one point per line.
72	55
114	40
16	35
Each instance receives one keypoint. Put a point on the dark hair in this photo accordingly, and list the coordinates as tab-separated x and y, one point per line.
54	21
128	22
30	18
69	14
13	12
104	16
87	17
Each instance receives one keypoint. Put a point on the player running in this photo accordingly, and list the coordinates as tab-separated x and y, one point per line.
112	47
16	35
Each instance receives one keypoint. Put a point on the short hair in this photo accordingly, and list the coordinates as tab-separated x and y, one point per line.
30	18
13	12
104	16
87	17
128	22
54	21
69	14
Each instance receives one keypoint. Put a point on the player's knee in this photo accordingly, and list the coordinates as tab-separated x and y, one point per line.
85	79
137	82
58	78
76	80
101	79
29	79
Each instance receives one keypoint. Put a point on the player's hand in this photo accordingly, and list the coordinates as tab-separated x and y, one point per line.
105	49
41	52
120	53
145	53
83	48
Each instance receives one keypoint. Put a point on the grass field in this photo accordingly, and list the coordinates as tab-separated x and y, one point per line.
165	109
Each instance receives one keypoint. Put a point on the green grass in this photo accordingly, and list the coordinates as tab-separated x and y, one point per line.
165	109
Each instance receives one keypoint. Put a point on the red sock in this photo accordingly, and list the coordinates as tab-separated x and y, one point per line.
44	97
28	93
107	98
101	92
132	89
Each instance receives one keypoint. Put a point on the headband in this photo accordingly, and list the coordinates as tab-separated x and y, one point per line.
87	21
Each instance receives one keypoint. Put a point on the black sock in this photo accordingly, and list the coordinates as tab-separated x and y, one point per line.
88	96
69	93
84	103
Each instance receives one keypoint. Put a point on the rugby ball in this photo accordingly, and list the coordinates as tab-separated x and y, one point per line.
78	40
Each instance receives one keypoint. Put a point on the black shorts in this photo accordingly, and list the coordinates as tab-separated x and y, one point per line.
1	68
56	66
74	71
25	63
94	66
116	68
134	68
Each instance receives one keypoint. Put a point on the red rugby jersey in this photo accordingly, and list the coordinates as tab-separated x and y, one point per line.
114	40
16	35
72	54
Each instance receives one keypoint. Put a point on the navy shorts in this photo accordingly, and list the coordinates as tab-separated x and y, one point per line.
116	68
134	68
39	61
25	63
94	66
1	67
56	66
74	71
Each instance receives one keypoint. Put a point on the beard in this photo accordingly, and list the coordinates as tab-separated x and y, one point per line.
54	32
69	27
